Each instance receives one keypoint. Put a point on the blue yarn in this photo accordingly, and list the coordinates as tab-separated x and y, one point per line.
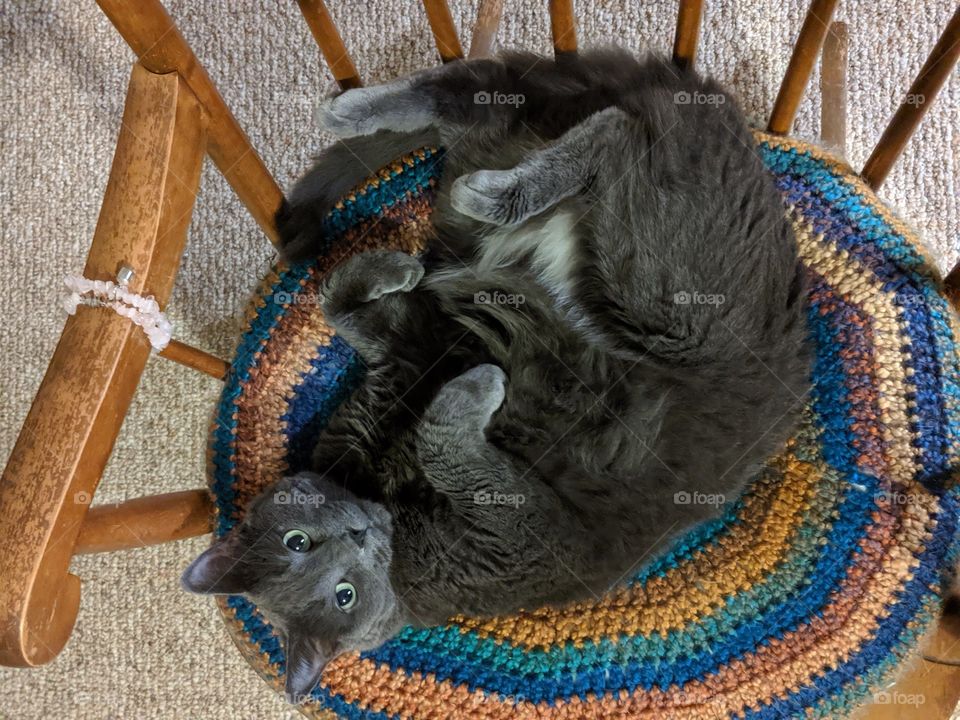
334	373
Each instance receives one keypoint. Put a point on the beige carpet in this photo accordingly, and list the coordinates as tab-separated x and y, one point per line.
141	647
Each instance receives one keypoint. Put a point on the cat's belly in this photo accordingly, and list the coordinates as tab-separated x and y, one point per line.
548	245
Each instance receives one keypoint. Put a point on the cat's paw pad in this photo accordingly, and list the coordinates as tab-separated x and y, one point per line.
369	276
390	272
483	386
492	196
348	115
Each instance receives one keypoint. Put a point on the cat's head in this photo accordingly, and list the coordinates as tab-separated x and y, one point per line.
316	560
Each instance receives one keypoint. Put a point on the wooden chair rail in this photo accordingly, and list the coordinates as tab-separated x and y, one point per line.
69	432
154	37
145	521
805	53
195	358
833	88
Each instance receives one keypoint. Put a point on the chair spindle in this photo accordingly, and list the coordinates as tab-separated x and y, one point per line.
444	31
324	31
920	96
805	52
687	34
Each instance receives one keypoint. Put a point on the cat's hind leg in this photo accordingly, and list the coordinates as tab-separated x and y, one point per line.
514	90
454	97
561	170
395	106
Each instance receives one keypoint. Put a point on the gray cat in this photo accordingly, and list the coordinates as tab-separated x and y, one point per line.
605	341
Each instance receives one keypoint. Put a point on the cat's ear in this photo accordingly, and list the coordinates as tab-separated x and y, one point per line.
326	490
219	570
306	657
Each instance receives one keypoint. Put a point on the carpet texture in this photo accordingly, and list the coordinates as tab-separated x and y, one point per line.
142	647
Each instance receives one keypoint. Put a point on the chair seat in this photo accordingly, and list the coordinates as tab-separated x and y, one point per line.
805	597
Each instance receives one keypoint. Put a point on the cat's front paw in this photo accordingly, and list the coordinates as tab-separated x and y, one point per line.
349	114
368	277
492	196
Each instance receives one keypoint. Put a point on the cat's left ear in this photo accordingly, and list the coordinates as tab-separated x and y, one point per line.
306	657
219	570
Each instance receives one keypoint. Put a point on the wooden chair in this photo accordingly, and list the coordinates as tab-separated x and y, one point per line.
173	115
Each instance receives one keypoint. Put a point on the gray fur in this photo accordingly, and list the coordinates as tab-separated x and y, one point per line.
512	454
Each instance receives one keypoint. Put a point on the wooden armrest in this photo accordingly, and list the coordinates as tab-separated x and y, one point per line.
71	428
160	47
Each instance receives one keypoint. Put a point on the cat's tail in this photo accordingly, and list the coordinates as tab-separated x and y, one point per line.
337	170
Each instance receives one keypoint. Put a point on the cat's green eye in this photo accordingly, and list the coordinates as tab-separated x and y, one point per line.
297	540
346	595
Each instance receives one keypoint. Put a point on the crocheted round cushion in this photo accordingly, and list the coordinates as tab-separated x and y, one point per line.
802	600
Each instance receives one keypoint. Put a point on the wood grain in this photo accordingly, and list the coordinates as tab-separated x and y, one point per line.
688	33
444	31
918	100
145	521
69	432
159	46
324	31
805	54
